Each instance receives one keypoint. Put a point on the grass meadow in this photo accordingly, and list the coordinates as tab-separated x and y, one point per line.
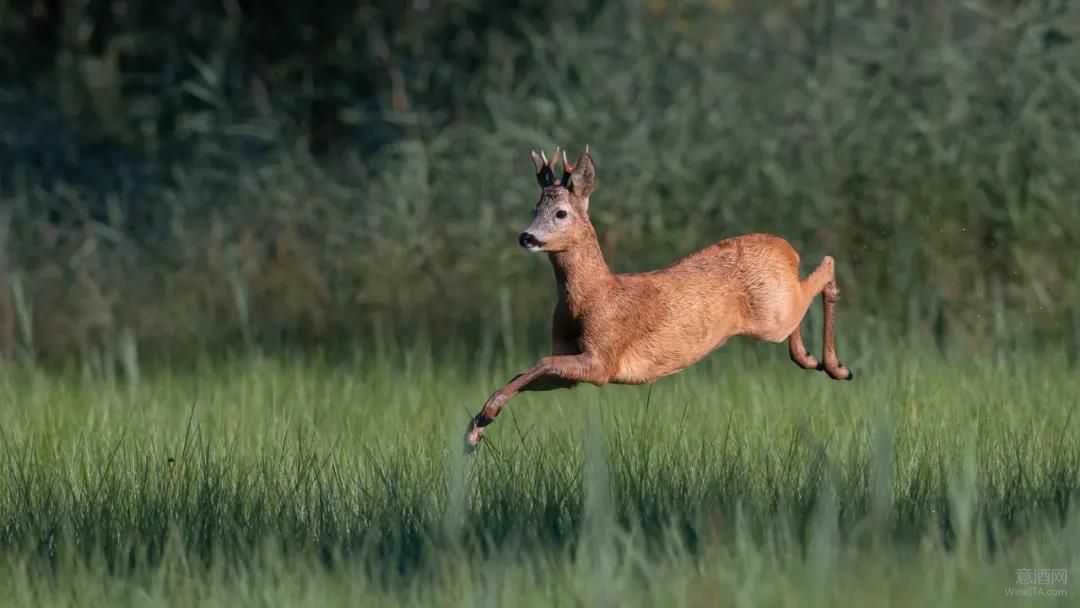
930	480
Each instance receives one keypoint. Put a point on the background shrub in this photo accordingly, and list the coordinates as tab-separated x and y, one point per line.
180	175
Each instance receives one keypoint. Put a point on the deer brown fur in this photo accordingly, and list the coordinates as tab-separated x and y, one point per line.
636	328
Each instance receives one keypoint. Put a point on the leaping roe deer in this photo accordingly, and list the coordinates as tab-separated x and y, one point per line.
636	328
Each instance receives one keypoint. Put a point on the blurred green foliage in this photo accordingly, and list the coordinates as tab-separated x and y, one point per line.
251	172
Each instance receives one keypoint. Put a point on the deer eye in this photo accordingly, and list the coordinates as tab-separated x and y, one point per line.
561	213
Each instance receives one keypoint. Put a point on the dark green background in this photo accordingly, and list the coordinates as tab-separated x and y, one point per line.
180	176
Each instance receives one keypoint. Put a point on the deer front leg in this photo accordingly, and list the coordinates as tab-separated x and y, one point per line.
557	371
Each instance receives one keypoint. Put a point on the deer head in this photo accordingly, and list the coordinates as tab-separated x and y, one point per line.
561	216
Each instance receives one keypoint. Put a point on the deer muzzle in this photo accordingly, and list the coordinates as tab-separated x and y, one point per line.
530	242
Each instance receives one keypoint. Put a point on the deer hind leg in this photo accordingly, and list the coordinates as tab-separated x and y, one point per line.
798	352
830	295
549	373
808	290
823	281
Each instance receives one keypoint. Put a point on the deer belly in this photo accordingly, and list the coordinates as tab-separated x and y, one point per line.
645	367
673	346
639	370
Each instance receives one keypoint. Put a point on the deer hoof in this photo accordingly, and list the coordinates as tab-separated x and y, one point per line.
473	437
840	373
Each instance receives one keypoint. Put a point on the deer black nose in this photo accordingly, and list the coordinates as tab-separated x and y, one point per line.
527	240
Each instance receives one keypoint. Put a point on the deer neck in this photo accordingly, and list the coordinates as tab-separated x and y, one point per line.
581	274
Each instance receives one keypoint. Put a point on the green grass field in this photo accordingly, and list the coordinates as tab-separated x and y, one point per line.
930	480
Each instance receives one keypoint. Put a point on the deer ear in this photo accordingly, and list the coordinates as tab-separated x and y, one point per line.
545	169
583	178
